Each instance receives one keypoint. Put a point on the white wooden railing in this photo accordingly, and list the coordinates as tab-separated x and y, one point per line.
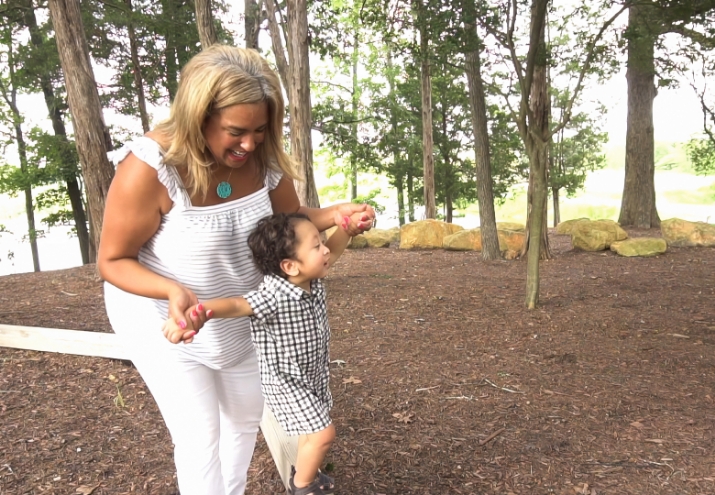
82	343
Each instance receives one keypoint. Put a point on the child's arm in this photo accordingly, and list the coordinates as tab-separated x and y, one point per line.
231	307
338	242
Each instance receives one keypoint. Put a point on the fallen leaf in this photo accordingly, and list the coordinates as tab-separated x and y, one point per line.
636	424
403	417
679	336
86	489
352	379
112	378
654	440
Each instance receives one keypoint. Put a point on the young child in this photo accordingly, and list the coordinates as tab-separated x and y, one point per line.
290	331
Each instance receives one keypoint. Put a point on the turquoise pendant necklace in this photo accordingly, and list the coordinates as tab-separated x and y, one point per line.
224	189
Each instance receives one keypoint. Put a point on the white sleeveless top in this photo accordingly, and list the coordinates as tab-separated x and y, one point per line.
205	249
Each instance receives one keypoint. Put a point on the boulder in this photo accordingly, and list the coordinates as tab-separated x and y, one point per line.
517	227
394	234
358	242
682	233
426	234
596	235
565	227
464	240
471	240
640	246
378	238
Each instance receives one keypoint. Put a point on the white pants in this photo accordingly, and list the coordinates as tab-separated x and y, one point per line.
212	416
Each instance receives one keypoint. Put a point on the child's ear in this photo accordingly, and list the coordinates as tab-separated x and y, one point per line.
290	267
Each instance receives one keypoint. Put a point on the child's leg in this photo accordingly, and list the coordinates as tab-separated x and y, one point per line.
311	452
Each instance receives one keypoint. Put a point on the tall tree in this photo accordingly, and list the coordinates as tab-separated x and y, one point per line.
252	23
478	106
301	119
205	23
91	135
426	92
648	21
41	67
8	91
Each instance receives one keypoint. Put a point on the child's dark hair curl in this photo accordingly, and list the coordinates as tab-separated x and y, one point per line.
274	240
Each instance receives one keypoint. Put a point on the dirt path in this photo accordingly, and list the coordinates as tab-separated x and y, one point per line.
444	382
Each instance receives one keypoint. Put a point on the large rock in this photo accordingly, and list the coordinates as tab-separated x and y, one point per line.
426	234
464	240
517	227
378	238
565	227
471	240
597	235
640	246
682	233
358	242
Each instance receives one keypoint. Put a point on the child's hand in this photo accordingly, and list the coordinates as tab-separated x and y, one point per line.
178	332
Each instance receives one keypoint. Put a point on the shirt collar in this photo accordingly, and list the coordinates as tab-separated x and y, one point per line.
292	290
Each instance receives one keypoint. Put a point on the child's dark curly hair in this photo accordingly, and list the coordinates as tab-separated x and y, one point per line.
274	240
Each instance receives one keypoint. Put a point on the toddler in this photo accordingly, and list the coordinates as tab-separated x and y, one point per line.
289	326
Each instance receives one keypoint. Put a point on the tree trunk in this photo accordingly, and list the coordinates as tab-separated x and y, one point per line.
205	23
91	135
354	125
170	53
537	139
638	204
277	42
400	199
427	136
137	70
68	158
485	193
557	207
252	23
410	194
299	95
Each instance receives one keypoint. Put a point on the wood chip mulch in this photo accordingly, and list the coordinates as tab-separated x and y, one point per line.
443	382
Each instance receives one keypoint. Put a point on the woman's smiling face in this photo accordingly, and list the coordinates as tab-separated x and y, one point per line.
234	133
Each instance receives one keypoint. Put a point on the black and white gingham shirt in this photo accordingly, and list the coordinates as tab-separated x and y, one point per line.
291	334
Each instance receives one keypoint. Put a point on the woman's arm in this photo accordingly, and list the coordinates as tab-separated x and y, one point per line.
135	203
284	199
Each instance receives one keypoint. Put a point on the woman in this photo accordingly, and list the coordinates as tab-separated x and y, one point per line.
178	214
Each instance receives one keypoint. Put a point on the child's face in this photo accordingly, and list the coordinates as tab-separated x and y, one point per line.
311	254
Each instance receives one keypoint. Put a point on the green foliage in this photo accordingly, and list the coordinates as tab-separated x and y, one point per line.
369	199
701	153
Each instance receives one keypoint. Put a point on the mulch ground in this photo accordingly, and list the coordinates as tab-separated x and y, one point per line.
443	382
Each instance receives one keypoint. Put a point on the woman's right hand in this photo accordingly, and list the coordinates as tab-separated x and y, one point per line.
181	301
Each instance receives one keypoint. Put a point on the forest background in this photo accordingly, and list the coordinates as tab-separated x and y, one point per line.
353	82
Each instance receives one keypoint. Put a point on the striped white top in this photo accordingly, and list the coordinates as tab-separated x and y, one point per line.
205	249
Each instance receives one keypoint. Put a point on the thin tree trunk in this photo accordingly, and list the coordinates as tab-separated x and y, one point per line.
252	23
536	241
638	206
91	135
485	192
9	94
277	42
205	23
355	107
170	52
410	193
137	70
427	135
557	207
299	96
400	199
68	158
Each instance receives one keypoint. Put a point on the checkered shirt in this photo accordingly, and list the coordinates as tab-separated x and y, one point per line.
291	334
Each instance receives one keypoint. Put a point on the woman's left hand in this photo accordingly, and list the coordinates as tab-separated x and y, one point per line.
362	217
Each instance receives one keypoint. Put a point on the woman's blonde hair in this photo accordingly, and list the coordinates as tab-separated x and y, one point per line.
219	77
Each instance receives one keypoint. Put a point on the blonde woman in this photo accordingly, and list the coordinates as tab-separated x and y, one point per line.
178	214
